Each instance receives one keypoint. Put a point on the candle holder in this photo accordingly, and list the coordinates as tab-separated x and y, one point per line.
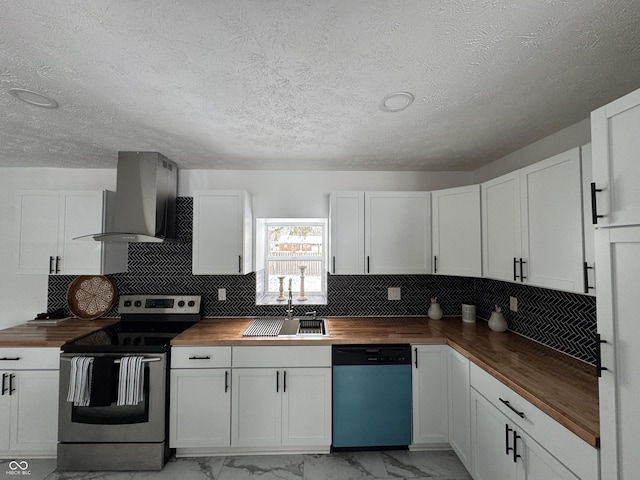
302	296
281	290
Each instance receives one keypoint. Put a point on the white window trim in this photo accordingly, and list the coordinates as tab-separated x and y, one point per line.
262	259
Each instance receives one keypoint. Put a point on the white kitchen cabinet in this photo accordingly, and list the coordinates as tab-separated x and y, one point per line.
222	232
380	232
29	402
502	451
616	169
513	439
200	397
286	403
618	260
429	391
459	405
455	229
49	222
588	228
537	238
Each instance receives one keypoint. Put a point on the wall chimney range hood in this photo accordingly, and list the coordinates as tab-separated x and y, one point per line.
145	200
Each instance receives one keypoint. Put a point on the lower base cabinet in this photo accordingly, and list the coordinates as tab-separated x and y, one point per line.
513	439
459	406
29	402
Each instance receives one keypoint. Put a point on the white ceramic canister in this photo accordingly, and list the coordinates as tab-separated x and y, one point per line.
468	313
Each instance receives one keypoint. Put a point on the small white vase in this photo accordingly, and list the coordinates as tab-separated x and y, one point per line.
435	312
497	323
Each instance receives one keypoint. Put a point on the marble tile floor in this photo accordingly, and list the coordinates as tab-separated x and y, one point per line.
394	464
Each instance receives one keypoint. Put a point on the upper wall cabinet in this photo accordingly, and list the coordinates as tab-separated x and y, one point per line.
532	224
456	231
616	166
380	232
50	220
222	232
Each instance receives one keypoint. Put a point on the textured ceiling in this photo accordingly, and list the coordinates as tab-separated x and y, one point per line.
296	84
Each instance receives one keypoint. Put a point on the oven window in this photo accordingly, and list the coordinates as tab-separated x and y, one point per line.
114	414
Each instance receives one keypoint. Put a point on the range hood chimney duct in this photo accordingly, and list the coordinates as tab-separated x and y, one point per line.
145	201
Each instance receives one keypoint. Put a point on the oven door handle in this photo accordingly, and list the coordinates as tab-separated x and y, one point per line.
117	360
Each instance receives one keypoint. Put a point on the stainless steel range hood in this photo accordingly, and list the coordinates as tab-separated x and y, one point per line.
145	201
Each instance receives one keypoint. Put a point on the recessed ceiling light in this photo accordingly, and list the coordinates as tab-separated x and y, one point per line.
396	102
34	98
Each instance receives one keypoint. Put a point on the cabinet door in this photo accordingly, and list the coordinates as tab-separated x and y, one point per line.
459	406
256	417
221	233
429	385
346	218
456	231
397	232
81	213
38	232
589	282
306	406
34	411
618	260
539	464
501	226
616	167
200	406
490	441
552	222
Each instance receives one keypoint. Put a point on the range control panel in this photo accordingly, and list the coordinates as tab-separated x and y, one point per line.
159	304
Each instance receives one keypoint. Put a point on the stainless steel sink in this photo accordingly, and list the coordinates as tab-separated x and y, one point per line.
281	327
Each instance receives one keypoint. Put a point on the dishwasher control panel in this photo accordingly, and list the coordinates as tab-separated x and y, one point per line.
371	355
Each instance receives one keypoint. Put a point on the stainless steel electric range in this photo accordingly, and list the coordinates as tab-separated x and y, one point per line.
104	435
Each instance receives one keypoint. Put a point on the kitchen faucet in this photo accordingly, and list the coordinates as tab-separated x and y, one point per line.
289	303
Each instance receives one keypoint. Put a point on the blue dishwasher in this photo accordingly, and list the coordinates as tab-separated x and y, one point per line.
371	396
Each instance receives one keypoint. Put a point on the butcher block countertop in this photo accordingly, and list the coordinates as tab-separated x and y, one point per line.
564	388
51	335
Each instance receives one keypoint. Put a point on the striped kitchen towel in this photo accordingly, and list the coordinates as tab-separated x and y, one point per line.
80	381
131	380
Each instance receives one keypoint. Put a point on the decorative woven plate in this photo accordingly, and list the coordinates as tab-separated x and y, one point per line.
91	296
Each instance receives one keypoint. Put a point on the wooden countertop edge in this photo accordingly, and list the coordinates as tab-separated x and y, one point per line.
563	417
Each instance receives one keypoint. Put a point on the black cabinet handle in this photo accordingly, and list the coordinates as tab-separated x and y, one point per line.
506	402
416	352
11	389
284	382
599	367
239	263
207	357
57	264
334	264
594	204
507	448
585	270
516	455
277	380
515	263
522	277
435	264
50	264
4	381
368	265
11	359
226	381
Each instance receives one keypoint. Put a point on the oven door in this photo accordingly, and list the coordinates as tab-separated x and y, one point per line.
144	422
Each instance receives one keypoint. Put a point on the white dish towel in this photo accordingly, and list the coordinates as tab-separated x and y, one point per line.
131	380
80	381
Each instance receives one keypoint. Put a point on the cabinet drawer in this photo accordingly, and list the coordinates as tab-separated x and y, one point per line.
200	357
568	448
29	358
278	356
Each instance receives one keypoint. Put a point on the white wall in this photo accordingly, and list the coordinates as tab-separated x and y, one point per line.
306	194
574	136
276	194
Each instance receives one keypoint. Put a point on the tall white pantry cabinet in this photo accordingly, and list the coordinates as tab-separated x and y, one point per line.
615	191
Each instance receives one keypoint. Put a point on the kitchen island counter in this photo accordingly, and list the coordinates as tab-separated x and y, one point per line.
564	388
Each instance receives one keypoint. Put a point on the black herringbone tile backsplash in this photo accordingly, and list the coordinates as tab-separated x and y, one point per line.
564	321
